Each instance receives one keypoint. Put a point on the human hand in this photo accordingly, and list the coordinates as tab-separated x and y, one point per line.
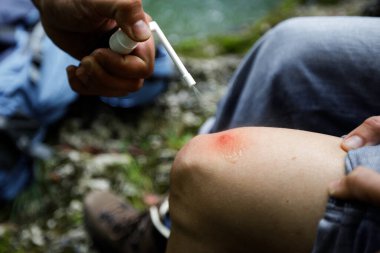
77	26
368	133
361	184
81	26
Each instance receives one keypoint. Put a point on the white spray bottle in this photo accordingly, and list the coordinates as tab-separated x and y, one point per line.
120	43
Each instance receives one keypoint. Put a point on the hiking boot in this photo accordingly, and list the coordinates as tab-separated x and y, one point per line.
115	226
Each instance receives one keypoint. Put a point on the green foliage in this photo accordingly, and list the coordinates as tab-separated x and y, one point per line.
175	141
5	242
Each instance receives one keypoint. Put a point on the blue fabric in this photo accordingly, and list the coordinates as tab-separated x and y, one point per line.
167	221
44	99
348	226
14	13
315	74
14	180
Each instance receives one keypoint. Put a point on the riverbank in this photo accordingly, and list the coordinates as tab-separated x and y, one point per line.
127	151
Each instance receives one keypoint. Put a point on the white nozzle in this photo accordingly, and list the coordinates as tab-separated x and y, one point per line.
177	61
121	43
189	79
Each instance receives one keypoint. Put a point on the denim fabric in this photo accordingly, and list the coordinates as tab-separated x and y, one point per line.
348	226
44	97
33	85
14	13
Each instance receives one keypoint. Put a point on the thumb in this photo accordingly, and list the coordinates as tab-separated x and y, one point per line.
129	15
361	184
368	133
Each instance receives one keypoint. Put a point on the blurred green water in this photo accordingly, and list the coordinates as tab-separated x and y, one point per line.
184	19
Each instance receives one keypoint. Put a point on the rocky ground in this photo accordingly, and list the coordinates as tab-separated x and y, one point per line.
126	151
100	148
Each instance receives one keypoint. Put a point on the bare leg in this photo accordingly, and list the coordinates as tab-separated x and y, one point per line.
251	190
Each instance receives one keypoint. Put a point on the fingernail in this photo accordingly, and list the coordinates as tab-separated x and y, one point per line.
141	30
334	186
353	142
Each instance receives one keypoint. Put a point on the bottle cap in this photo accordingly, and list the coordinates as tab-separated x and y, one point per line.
120	43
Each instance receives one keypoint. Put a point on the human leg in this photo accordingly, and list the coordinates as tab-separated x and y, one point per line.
317	74
251	190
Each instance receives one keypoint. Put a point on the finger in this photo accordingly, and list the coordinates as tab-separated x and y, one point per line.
129	15
362	184
125	66
368	133
101	78
75	83
339	189
100	82
91	79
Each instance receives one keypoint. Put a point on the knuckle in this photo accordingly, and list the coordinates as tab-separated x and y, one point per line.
98	54
131	5
135	3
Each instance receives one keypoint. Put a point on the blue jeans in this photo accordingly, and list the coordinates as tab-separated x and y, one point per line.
321	75
350	226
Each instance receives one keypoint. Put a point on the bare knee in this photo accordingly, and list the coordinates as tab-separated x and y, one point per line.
204	165
200	180
187	184
241	185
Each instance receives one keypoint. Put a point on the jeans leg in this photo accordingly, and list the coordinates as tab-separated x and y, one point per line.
319	74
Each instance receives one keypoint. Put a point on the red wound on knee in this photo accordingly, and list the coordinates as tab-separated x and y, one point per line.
230	145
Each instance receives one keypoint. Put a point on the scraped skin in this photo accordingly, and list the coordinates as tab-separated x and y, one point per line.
251	190
230	145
